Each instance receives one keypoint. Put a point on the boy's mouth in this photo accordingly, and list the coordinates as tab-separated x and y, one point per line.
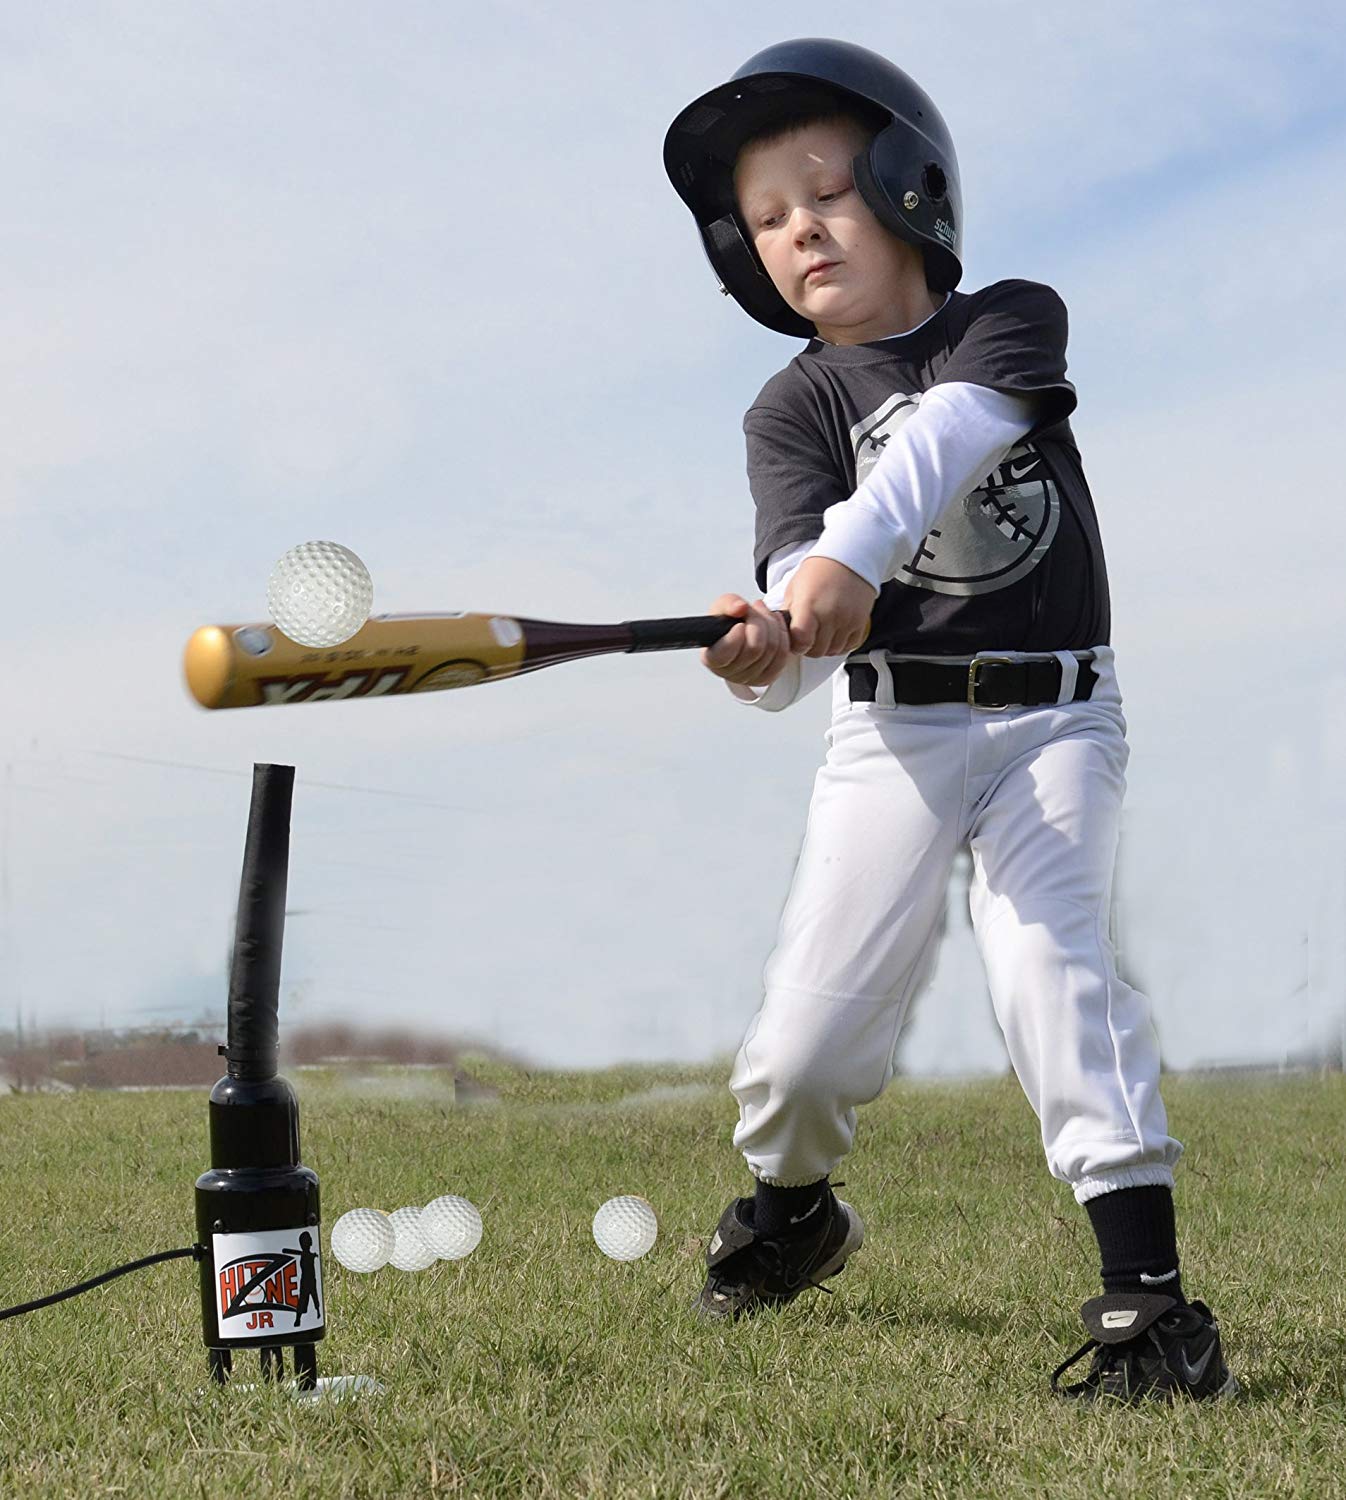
822	266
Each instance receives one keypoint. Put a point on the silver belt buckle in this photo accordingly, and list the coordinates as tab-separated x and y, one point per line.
973	665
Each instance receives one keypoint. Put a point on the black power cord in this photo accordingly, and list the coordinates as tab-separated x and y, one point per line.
196	1252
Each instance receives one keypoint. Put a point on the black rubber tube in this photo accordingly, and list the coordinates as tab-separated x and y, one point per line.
254	975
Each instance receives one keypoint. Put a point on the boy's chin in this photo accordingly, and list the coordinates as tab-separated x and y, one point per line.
827	323
830	309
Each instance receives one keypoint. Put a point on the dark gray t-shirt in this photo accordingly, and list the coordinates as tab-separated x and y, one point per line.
1017	565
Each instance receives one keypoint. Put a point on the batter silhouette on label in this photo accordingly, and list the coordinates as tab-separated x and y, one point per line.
308	1277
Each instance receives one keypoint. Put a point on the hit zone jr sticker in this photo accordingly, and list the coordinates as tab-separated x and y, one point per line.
268	1282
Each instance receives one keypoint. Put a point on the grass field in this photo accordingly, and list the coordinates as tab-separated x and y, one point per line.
538	1368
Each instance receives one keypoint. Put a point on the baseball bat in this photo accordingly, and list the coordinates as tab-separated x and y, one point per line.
248	666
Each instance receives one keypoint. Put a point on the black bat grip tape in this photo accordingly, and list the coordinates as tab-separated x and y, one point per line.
679	635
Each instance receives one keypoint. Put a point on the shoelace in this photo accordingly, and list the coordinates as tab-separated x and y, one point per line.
1066	1364
1118	1354
791	1278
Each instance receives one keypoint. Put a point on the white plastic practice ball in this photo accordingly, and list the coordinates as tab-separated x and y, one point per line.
451	1227
363	1239
625	1228
410	1253
320	594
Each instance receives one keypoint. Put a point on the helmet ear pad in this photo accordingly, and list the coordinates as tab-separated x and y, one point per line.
739	267
901	166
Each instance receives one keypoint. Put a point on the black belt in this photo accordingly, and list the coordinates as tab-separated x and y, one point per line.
985	682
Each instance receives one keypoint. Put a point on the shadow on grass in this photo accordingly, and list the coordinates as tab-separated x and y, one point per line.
1294	1378
902	1312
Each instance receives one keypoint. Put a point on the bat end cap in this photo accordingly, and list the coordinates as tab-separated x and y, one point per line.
207	666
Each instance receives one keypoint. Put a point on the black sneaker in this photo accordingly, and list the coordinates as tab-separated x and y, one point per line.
1149	1346
746	1274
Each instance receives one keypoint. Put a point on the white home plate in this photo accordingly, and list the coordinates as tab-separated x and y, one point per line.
329	1388
339	1388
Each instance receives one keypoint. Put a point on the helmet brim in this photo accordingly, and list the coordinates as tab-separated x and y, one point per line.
704	140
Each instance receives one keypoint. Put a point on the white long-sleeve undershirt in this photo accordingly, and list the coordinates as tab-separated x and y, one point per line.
958	434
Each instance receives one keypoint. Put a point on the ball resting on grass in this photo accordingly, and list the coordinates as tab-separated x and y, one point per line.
451	1227
410	1253
625	1228
363	1239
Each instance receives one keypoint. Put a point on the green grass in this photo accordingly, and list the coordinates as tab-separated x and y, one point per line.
538	1368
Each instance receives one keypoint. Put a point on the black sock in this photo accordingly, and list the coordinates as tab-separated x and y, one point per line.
778	1212
1137	1240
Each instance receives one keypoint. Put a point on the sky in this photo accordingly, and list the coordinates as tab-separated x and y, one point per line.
411	277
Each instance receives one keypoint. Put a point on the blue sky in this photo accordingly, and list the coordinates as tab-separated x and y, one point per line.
411	277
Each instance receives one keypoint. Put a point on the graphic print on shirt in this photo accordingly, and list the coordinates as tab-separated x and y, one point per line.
986	539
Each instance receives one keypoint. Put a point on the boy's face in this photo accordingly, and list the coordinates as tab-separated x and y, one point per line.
825	252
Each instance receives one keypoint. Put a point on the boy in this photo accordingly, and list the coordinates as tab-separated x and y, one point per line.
923	517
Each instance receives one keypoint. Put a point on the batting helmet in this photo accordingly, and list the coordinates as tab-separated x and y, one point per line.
908	176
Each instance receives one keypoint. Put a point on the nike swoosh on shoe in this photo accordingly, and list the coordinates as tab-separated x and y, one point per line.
1193	1373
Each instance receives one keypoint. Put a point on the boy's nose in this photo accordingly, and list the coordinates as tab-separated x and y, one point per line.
807	226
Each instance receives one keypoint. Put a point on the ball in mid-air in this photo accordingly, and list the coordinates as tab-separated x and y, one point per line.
625	1228
451	1227
363	1239
320	594
410	1253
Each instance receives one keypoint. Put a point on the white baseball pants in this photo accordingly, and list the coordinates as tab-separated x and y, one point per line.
1036	794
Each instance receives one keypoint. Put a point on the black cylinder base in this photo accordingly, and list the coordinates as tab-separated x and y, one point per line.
261	1279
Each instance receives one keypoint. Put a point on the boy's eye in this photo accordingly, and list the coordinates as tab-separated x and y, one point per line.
768	221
